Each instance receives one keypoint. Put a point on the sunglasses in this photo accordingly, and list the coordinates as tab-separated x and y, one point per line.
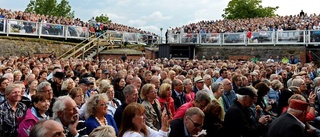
196	125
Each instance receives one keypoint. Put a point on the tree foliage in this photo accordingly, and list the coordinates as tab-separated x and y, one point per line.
103	19
239	9
50	7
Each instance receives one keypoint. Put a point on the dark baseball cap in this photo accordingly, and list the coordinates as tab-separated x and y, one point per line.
247	91
85	81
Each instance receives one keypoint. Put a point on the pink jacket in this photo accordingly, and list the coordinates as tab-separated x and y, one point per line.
27	123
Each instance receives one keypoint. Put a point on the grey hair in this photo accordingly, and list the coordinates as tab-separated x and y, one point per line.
38	130
297	82
294	110
215	86
276	85
316	81
92	104
128	90
202	95
60	105
186	81
10	87
194	111
240	97
207	76
42	85
103	131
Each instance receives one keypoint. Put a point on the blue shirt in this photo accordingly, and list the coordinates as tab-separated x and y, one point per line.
92	123
228	99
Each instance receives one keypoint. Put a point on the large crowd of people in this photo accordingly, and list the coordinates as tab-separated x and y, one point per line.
92	23
301	21
161	97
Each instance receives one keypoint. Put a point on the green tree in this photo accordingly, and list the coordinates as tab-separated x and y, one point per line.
240	9
103	19
50	7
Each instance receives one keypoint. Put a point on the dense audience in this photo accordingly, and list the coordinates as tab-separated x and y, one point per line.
277	23
92	23
160	97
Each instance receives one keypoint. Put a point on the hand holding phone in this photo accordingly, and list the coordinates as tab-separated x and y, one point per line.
166	109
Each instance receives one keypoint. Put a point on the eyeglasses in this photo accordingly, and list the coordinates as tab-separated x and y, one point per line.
47	91
195	124
80	95
104	104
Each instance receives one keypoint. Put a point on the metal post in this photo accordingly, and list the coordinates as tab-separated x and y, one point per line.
161	35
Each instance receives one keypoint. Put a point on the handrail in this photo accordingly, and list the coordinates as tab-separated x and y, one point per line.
76	46
84	47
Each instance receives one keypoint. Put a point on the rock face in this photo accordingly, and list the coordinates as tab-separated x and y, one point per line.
244	52
22	47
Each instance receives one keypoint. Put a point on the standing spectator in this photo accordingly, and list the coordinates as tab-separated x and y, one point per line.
10	110
309	57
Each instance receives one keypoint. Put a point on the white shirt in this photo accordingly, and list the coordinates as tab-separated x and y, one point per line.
151	133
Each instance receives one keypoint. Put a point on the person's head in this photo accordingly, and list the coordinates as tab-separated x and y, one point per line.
9	76
47	128
276	85
298	82
223	73
129	79
199	82
58	76
207	79
155	81
147	76
65	108
177	85
247	96
237	80
165	90
136	81
214	108
193	120
188	85
45	87
4	83
77	95
201	99
13	93
148	92
298	108
133	119
227	85
131	94
97	105
163	75
33	84
67	84
40	102
262	88
103	131
217	89
119	83
17	75
108	90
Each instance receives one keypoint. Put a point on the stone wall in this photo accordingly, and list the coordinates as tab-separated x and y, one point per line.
23	47
246	52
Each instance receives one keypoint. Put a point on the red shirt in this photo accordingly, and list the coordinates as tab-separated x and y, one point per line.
170	102
182	110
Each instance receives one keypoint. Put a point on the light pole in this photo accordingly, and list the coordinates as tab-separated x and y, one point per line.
161	35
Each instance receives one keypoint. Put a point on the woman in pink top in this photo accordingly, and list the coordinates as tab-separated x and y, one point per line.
165	93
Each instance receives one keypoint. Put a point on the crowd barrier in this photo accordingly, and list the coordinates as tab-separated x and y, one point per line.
21	27
292	37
